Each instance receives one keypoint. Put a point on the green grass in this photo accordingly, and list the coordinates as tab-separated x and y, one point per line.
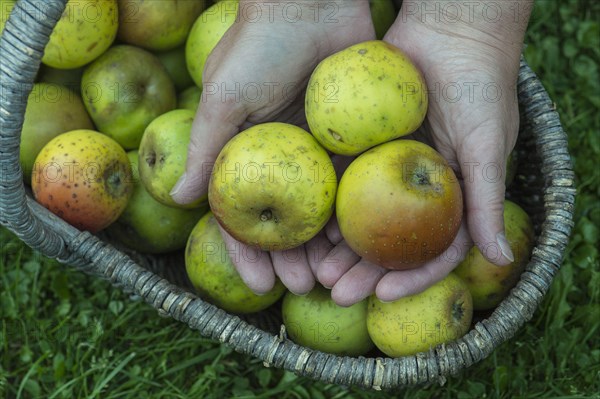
67	335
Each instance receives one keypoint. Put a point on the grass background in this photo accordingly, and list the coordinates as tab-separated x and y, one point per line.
66	335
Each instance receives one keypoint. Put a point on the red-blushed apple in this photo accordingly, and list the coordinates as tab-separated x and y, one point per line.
52	109
84	177
273	186
399	204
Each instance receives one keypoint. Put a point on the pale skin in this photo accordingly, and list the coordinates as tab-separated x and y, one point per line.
469	54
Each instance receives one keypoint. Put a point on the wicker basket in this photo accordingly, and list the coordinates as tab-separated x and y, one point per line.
544	186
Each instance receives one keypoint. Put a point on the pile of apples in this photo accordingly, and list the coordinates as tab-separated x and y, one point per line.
105	140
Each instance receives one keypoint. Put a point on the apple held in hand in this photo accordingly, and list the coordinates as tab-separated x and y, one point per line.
399	204
51	110
159	24
213	275
364	95
124	90
148	226
84	177
273	186
490	284
416	323
317	322
85	30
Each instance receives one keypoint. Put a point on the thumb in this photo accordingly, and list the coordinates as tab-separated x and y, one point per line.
483	166
216	122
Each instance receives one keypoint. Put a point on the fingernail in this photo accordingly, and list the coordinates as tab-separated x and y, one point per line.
504	247
177	187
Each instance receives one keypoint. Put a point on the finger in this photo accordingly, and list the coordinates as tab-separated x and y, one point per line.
398	284
332	230
316	249
357	284
215	123
253	265
483	167
292	267
335	264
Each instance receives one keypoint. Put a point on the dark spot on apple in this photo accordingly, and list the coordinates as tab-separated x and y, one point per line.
151	159
421	177
458	310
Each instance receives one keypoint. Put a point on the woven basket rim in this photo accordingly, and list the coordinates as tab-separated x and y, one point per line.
22	44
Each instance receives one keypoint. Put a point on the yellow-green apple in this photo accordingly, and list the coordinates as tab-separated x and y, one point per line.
84	177
148	226
316	321
189	98
124	90
85	30
273	186
157	24
383	14
490	284
416	323
364	95
399	204
163	153
175	65
6	7
213	275
207	31
51	110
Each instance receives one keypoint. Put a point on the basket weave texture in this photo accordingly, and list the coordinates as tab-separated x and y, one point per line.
544	186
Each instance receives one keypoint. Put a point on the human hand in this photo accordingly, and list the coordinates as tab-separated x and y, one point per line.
257	73
471	69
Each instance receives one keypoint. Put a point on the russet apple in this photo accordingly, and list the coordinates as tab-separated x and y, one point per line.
273	186
52	109
148	226
84	177
399	204
157	24
316	321
210	269
490	284
124	90
85	30
163	154
364	95
416	323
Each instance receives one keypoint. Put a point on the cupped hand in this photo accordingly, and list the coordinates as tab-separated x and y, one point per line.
258	73
471	70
